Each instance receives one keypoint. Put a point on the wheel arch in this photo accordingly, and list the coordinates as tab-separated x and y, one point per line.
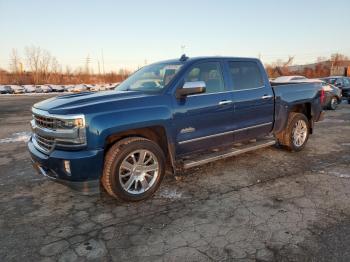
303	108
157	134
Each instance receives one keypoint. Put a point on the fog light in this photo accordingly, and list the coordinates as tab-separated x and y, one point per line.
67	167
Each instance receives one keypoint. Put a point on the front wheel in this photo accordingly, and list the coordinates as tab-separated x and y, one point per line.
134	168
296	133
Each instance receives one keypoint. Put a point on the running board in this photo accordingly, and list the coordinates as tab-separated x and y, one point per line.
234	151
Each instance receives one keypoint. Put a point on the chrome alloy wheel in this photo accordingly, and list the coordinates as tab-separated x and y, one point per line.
299	133
334	103
138	171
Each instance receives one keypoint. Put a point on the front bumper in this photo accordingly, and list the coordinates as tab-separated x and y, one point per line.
85	167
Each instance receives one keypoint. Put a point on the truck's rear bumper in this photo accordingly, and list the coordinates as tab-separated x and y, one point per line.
85	167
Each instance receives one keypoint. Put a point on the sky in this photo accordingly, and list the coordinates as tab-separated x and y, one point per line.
129	34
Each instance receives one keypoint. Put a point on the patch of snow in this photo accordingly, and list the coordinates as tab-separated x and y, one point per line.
333	120
170	193
338	174
16	137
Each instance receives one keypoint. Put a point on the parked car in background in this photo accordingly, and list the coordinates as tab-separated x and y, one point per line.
17	89
68	88
3	90
57	88
95	88
38	89
29	88
332	94
46	88
6	89
80	88
341	82
111	86
285	79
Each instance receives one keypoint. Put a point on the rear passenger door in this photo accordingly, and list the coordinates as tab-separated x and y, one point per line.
253	100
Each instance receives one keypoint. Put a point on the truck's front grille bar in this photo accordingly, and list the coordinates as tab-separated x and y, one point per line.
45	144
43	121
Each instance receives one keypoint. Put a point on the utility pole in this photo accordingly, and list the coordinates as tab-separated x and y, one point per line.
103	62
87	64
98	66
183	49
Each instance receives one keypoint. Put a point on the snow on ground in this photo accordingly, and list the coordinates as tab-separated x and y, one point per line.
16	137
170	193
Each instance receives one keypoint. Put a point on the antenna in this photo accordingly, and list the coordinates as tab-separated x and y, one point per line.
183	58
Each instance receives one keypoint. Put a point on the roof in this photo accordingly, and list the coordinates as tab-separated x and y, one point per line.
328	77
198	58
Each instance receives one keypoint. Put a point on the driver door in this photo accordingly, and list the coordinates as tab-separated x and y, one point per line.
202	121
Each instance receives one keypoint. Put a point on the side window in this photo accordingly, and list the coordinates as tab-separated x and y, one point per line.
245	75
339	82
210	73
346	82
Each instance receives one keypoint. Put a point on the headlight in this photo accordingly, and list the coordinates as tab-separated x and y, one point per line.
69	123
76	133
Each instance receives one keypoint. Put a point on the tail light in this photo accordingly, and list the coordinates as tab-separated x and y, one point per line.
322	97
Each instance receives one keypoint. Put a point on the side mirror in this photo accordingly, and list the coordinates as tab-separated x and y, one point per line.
191	88
338	84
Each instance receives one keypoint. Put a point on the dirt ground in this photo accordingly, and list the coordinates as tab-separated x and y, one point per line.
268	205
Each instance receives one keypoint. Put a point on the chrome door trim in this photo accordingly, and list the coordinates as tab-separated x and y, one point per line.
216	93
254	88
222	134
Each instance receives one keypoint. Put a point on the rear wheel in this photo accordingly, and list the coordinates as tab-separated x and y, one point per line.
296	133
133	169
333	103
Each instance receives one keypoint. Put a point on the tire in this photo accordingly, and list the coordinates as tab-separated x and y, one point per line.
286	139
123	164
348	101
333	103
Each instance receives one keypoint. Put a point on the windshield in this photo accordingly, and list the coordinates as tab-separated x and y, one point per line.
150	78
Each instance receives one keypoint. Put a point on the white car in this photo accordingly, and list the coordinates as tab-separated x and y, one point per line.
46	88
285	79
95	88
29	88
69	88
80	88
17	89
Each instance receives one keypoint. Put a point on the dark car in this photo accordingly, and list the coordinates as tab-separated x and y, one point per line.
6	90
333	95
341	82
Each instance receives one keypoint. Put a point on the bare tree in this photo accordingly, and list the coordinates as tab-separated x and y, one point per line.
33	55
15	62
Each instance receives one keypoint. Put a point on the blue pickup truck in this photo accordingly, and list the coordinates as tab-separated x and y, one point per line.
170	115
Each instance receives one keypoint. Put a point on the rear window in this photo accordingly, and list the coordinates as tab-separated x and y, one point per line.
245	75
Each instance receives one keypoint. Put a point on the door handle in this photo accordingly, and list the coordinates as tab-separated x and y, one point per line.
225	102
266	96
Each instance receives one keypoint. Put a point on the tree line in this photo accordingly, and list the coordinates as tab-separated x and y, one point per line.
39	67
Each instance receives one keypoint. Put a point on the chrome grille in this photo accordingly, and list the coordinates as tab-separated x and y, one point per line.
43	121
45	143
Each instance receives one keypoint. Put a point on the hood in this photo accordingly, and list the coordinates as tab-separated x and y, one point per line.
80	102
